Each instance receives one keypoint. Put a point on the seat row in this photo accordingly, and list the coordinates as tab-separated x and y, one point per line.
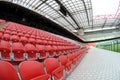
22	30
50	69
17	32
16	51
24	40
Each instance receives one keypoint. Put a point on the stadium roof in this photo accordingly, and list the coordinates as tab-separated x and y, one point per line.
74	15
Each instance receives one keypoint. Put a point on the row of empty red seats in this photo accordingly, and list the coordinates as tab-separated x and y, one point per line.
51	69
28	32
25	43
17	51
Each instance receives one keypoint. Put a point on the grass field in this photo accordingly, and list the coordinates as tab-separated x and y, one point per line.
115	47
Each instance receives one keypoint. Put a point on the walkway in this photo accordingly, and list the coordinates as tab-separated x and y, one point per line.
97	64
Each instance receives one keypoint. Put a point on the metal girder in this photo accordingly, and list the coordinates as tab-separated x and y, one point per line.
104	23
68	13
40	4
61	15
86	11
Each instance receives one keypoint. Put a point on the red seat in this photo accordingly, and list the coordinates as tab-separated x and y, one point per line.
15	38
6	37
32	36
71	58
24	40
14	33
27	35
64	61
56	50
7	32
44	42
32	70
38	41
18	50
53	68
41	49
5	49
20	34
75	59
7	71
31	50
31	40
49	49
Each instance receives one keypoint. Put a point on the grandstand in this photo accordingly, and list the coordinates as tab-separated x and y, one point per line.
58	40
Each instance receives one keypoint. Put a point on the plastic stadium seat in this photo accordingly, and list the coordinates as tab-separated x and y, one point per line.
15	38
55	49
44	42
7	71
31	50
74	59
50	43
31	40
7	32
64	61
41	50
53	68
6	37
18	50
24	32
49	49
71	58
27	35
32	36
24	40
20	34
38	41
5	49
14	33
38	37
32	70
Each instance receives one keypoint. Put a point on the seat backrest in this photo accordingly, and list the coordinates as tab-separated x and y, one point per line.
31	40
6	37
17	47
40	48
23	39
51	64
30	48
30	69
15	38
7	71
5	46
20	34
55	48
63	60
70	56
48	48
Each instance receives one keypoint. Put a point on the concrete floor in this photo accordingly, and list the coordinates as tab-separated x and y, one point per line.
97	64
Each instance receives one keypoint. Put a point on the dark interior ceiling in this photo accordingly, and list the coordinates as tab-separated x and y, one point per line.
16	13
